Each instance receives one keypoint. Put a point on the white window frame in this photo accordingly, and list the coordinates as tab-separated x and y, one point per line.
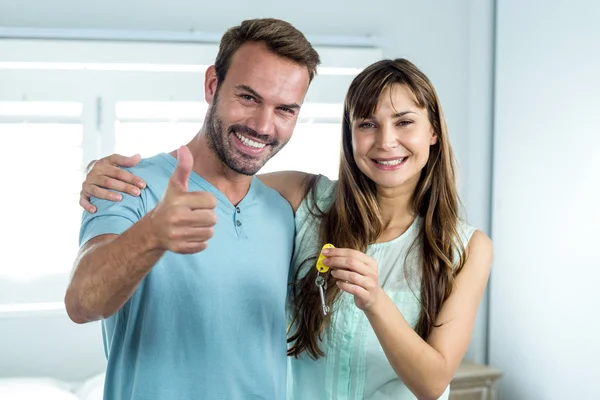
101	73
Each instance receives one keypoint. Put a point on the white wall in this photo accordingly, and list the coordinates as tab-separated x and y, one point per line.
450	41
50	344
546	219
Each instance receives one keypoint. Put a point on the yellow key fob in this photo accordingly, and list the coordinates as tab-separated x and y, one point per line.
320	267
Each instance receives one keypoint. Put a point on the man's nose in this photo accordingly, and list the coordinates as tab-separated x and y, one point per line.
262	121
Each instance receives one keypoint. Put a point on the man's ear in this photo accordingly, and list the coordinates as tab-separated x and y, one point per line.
210	84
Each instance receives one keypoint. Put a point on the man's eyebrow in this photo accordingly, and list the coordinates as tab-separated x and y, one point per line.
249	90
292	106
254	93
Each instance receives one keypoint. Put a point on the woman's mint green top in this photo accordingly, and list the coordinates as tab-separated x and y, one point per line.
355	366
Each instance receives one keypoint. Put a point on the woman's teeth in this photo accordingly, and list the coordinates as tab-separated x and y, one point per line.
390	162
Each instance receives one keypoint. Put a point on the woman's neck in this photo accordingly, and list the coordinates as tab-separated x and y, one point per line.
396	211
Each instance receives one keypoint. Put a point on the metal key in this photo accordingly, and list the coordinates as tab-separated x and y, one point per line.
322	286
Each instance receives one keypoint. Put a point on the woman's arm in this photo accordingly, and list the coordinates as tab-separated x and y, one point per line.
291	185
106	175
428	367
425	367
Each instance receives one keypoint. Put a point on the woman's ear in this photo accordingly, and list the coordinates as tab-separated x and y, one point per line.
434	138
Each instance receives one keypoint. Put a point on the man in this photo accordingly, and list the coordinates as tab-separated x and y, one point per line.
189	281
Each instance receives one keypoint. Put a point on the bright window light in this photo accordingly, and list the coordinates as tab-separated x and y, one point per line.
29	307
338	71
72	66
43	179
141	128
194	111
123	107
151	138
322	110
40	109
103	66
300	154
313	148
165	110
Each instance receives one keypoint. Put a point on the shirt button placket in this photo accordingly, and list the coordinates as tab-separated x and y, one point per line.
238	222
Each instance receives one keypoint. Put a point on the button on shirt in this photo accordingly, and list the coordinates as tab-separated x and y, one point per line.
209	325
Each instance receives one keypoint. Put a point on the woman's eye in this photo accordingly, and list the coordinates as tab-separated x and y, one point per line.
405	123
366	125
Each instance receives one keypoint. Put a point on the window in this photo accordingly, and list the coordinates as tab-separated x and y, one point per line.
315	144
64	103
41	188
149	128
41	181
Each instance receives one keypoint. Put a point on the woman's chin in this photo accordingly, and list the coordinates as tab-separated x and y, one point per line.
395	182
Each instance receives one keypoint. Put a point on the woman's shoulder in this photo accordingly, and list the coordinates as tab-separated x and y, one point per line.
319	198
324	188
472	239
465	231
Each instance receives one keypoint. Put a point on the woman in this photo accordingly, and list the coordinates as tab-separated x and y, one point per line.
406	275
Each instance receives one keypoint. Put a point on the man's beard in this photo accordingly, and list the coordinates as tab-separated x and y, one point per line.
218	141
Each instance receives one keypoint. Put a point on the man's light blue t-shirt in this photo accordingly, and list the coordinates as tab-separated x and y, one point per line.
210	325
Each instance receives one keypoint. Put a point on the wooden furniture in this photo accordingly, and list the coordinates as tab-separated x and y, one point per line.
474	382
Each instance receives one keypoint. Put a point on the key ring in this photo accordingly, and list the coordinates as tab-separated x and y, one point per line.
320	281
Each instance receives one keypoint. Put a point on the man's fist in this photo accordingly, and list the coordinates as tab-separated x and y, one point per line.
183	221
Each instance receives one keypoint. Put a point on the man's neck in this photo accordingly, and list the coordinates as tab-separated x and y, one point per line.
207	164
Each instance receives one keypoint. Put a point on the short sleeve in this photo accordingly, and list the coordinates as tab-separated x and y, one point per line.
323	193
111	217
465	232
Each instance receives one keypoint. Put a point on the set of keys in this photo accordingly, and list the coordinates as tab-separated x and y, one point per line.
320	281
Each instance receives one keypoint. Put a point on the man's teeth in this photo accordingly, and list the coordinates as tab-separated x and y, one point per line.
391	162
250	143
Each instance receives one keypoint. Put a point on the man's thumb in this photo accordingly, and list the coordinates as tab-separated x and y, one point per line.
185	164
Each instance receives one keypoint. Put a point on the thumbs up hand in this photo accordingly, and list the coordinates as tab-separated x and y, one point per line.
183	221
181	175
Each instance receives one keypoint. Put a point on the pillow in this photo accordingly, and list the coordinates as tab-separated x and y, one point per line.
34	389
92	389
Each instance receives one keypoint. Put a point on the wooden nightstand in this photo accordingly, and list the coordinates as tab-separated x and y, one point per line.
474	382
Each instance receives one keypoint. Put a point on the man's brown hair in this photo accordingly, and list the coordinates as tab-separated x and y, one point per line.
279	36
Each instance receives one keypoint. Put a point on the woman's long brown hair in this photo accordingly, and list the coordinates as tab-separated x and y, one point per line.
354	219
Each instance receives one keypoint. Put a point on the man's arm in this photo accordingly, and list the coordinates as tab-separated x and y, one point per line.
110	267
108	270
